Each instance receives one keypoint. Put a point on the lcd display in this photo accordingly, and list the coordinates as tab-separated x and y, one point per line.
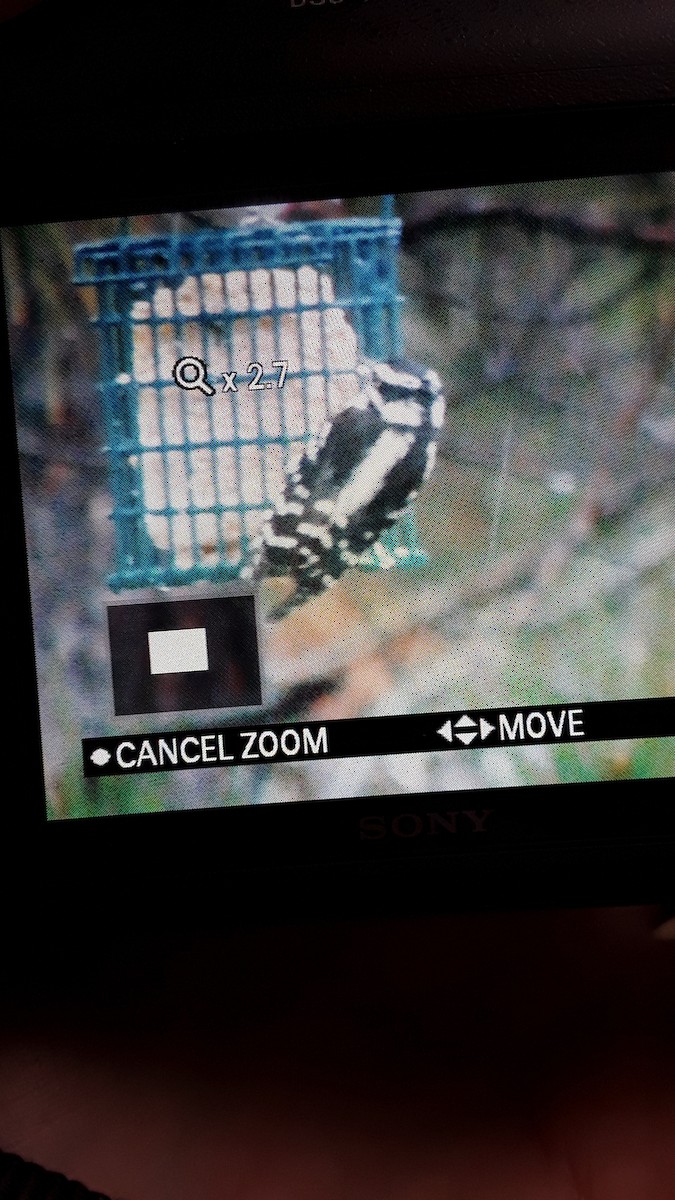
347	497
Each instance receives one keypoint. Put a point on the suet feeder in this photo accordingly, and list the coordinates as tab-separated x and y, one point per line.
280	315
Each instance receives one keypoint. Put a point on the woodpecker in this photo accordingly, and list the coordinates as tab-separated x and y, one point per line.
353	482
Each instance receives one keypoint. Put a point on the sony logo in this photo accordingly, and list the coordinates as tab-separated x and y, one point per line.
430	824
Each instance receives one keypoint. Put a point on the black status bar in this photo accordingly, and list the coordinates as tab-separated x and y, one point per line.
415	733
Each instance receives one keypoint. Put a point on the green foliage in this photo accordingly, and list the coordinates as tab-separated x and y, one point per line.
113	796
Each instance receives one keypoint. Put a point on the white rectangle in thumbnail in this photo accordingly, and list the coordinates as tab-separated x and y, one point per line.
174	651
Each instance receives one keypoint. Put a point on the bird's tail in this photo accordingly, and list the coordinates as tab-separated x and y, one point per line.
304	592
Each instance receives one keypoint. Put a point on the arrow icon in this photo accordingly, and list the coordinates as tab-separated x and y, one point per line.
465	729
466	724
467	738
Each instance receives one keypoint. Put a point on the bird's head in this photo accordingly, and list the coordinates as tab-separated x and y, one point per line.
401	383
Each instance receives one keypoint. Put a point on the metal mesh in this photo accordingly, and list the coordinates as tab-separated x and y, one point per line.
291	309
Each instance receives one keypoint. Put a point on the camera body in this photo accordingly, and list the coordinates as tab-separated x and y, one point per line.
248	129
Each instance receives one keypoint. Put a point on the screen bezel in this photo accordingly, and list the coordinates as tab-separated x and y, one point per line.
631	844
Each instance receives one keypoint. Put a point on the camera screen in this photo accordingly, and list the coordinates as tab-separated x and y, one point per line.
345	497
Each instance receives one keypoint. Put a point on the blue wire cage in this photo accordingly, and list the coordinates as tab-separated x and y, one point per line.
280	315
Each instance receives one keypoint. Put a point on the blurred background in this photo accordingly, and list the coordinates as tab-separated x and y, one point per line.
549	310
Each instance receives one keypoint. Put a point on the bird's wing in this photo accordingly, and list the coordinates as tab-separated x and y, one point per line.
311	490
327	464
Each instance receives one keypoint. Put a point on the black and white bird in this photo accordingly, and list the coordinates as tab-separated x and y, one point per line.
353	482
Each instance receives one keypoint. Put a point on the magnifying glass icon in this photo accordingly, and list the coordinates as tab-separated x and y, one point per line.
190	373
